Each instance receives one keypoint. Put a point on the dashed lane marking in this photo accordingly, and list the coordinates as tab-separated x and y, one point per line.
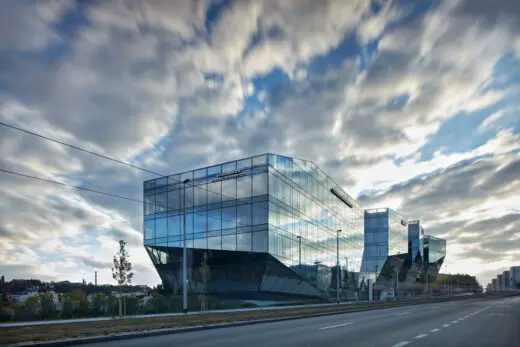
435	330
402	313
446	325
454	321
421	336
335	326
401	344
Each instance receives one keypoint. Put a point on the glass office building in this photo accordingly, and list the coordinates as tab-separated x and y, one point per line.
385	248
434	250
266	227
414	262
415	240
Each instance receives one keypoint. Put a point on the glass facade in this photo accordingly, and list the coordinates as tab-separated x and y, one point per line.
386	234
434	250
415	239
279	216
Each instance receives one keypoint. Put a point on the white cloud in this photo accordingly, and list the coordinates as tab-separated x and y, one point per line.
132	81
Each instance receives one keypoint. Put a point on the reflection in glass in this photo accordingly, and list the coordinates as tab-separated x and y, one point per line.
214	219
149	229
199	195
244	215
244	242
260	184
229	242
174	200
244	187
229	189
161	227
260	213
214	192
229	217
174	225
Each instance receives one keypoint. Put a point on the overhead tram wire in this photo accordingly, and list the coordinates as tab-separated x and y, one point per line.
79	148
101	156
70	185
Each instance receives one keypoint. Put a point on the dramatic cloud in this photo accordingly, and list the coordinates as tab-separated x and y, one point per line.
372	91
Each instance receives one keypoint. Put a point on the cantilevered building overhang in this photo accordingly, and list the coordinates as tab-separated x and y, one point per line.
265	226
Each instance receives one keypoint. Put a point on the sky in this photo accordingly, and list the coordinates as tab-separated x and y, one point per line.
408	104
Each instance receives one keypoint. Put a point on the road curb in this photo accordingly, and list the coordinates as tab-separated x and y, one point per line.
158	332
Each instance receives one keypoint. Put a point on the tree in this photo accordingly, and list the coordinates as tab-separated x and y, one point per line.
67	308
76	295
122	270
47	306
98	306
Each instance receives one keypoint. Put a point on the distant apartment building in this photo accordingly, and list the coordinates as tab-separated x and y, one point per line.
515	276
500	282
494	284
507	279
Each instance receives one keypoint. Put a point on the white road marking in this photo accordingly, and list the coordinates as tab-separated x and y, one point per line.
462	318
335	326
434	330
496	314
402	314
446	325
401	344
421	336
454	321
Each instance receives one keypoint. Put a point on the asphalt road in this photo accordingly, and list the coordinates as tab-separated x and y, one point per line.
467	323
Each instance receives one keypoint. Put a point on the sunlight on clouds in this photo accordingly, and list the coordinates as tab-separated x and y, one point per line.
132	82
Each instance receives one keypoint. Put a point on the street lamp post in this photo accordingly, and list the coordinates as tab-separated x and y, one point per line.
397	284
184	257
337	266
299	251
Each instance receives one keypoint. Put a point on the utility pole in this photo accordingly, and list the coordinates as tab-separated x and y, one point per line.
337	266
184	257
95	278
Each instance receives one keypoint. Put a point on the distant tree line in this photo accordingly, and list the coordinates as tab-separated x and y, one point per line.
457	284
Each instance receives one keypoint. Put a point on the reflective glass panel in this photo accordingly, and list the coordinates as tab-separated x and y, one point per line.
229	189
244	242
199	195
260	213
244	187
149	229
174	225
244	215
260	184
229	217
260	241
214	219
161	227
174	202
229	242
